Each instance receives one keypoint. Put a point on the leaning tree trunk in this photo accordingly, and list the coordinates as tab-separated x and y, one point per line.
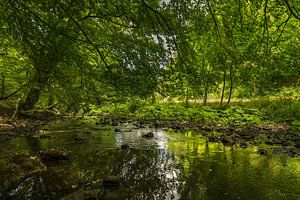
31	98
38	84
3	86
223	89
231	84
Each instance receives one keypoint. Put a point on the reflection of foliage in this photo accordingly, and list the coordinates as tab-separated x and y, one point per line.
186	167
14	167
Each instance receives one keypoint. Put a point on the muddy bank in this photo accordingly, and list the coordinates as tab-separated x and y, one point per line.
25	122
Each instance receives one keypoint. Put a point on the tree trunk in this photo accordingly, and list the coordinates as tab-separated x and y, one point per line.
31	98
50	96
223	90
231	83
186	96
38	84
3	86
153	98
205	92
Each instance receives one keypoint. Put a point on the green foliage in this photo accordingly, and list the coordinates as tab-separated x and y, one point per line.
99	52
295	123
197	114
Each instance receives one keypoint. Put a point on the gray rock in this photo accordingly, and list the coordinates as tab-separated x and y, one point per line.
117	130
243	145
124	146
212	138
148	135
262	152
227	141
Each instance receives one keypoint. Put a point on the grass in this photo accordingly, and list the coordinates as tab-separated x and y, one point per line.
252	112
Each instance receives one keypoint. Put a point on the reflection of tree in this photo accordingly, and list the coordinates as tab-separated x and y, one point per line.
186	168
215	172
33	144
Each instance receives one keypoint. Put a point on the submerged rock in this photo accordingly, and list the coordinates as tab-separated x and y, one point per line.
84	195
243	145
54	154
111	181
212	138
46	136
289	151
80	139
262	152
14	168
227	141
139	125
117	130
148	135
115	123
104	122
124	146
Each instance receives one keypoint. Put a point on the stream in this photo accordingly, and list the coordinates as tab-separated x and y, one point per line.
169	166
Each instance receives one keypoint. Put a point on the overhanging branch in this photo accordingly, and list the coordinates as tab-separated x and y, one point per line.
2	98
291	9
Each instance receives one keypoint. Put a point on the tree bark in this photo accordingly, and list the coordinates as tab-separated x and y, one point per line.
3	86
205	92
223	89
38	84
231	83
186	96
31	98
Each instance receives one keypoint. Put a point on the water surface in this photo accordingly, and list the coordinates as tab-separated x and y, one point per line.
170	166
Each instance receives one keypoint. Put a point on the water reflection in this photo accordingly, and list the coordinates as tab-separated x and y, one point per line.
169	166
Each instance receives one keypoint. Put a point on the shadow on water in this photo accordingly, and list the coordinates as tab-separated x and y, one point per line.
168	166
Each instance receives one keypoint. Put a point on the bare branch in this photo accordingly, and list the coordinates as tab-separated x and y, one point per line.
214	19
110	21
164	23
85	35
285	23
10	95
291	9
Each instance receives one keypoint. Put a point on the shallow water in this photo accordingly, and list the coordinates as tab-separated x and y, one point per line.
169	166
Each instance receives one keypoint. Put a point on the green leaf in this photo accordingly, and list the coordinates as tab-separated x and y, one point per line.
295	123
